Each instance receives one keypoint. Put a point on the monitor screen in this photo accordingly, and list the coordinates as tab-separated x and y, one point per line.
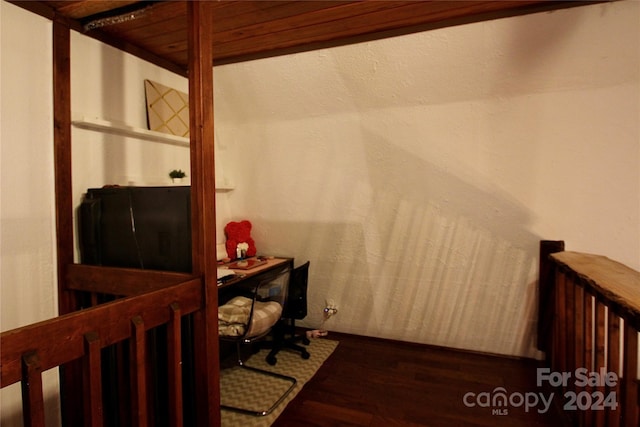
137	227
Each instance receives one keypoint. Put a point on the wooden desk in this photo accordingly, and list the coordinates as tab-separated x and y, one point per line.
272	265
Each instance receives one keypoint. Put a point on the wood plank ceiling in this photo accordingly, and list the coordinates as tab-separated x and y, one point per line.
244	30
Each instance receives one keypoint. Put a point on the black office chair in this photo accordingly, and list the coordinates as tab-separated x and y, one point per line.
249	317
295	308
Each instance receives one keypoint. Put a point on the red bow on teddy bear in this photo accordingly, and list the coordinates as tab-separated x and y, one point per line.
239	232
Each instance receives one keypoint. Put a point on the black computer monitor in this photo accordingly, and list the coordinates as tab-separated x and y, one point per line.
137	227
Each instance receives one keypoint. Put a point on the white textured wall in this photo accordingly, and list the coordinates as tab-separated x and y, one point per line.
416	173
28	291
108	84
419	173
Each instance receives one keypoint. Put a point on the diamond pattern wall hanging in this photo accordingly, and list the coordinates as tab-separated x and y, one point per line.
167	109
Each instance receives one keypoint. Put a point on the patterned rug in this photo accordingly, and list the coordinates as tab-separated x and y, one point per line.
260	391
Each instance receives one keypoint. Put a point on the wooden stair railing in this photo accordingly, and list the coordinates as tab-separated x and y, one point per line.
119	281
30	350
592	349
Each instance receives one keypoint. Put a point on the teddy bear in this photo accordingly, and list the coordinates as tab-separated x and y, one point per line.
239	233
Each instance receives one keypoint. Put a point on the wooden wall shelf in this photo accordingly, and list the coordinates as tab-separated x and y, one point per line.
121	129
105	126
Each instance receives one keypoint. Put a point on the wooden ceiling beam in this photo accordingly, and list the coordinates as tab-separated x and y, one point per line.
245	30
350	24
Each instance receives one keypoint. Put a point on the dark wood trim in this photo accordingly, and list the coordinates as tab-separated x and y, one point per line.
92	378
62	159
138	51
111	322
573	264
43	9
546	280
120	281
247	30
593	295
32	395
377	382
203	210
81	336
420	17
419	346
71	395
37	7
174	357
630	394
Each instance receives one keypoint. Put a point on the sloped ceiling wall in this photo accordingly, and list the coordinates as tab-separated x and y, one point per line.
419	173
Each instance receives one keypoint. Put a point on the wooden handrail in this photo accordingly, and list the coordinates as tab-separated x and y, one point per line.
593	342
120	281
610	280
30	350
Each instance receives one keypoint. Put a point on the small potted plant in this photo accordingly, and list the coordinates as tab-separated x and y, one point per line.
176	175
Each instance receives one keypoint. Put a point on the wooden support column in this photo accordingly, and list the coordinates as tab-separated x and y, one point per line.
546	280
206	347
67	301
70	373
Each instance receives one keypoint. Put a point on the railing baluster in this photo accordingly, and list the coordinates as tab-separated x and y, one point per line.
116	327
571	330
561	324
596	324
32	399
589	358
92	366
579	341
613	365
138	373
174	346
599	347
629	377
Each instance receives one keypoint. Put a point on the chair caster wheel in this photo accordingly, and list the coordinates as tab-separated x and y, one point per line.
271	360
305	355
306	341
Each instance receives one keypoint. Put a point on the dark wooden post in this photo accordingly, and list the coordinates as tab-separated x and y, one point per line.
70	373
546	293
206	348
630	394
62	159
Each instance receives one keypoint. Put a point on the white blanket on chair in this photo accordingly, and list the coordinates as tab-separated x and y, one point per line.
233	317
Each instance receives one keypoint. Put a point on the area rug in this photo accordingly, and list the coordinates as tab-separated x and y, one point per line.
254	389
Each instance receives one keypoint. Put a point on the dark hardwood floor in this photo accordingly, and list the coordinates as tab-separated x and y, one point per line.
374	382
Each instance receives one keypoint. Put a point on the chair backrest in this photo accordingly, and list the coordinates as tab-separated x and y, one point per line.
269	298
260	305
296	306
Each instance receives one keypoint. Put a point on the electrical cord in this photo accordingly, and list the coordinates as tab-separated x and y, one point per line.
133	230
